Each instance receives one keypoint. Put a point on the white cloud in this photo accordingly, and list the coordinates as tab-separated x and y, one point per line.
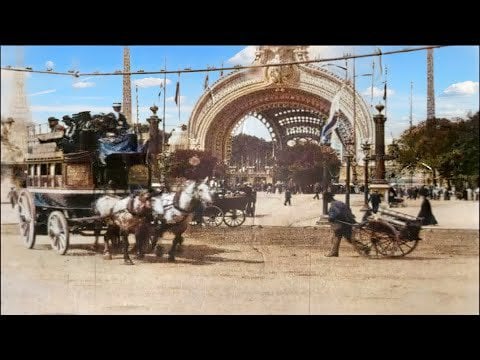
49	64
172	99
465	88
244	56
89	97
43	92
83	84
71	108
377	92
149	82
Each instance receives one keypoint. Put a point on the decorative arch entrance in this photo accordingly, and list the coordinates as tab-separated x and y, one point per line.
292	101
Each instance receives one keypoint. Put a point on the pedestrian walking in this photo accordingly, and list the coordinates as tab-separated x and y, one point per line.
288	197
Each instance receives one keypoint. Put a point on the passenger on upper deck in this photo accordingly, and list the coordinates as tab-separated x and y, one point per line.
54	125
71	127
122	124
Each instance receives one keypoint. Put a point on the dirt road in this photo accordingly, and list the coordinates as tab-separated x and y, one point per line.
244	270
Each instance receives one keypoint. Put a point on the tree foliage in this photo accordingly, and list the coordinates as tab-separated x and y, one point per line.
305	163
449	147
181	164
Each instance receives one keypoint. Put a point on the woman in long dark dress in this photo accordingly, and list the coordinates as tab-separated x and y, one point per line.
426	213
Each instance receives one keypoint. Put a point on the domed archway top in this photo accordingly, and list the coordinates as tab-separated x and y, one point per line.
292	100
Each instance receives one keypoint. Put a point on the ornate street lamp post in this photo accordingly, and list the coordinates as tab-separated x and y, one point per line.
348	157
366	160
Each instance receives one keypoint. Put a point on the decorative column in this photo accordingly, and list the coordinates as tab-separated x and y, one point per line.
127	90
430	86
379	146
379	182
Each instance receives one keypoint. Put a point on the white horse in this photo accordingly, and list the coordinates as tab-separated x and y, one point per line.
175	211
130	215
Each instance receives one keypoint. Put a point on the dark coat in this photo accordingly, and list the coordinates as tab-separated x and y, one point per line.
340	211
426	213
122	122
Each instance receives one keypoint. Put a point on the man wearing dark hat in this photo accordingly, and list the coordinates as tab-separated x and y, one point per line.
54	125
338	214
121	120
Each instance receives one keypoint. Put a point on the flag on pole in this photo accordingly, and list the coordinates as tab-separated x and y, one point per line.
161	87
177	92
385	91
331	123
205	85
380	60
328	129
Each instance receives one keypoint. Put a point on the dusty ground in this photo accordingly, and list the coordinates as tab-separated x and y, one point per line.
269	270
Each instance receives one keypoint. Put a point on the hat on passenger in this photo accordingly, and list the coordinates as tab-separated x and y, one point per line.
51	118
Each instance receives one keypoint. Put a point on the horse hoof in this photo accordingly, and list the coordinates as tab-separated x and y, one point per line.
128	262
107	256
171	258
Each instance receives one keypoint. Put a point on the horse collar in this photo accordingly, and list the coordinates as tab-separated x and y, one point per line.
176	202
130	205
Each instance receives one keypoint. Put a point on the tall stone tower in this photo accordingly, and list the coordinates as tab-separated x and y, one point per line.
127	89
430	90
19	109
14	132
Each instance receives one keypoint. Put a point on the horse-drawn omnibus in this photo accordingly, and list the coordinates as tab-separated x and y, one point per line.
66	175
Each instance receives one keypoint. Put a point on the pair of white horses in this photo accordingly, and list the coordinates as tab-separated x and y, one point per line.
135	214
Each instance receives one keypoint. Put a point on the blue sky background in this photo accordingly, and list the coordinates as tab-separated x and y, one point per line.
456	79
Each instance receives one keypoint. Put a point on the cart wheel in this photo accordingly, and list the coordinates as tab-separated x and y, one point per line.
234	217
212	216
395	247
58	233
363	244
27	216
387	240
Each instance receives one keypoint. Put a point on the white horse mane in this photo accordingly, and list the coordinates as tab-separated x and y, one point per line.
166	206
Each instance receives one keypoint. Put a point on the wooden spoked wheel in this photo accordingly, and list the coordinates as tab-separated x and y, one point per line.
27	216
364	242
213	216
234	217
58	232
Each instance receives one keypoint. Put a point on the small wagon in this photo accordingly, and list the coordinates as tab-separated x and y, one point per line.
229	209
393	234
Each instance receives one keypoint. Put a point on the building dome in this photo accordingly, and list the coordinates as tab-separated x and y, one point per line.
179	138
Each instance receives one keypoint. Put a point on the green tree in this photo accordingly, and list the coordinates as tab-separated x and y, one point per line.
192	164
305	163
449	147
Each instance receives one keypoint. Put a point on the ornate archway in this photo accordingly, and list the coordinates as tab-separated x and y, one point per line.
292	101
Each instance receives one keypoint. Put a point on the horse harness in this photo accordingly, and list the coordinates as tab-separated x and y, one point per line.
176	204
132	211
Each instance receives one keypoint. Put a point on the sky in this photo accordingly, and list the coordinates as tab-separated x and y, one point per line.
456	70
